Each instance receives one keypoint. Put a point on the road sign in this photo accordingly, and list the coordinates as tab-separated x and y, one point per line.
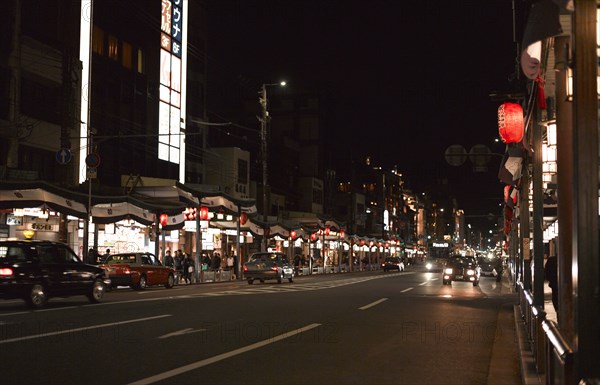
92	160
63	156
92	172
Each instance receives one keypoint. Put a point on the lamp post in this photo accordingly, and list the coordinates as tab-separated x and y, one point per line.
264	117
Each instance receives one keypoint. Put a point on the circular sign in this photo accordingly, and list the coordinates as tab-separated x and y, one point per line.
456	155
92	160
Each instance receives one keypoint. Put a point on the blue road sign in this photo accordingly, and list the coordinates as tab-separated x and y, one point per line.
92	160
63	156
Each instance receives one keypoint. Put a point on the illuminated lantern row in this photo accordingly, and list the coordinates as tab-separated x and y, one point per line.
510	122
190	213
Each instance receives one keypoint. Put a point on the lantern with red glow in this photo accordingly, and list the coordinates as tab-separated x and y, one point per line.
204	213
342	233
163	219
327	230
362	242
293	234
510	122
243	218
313	236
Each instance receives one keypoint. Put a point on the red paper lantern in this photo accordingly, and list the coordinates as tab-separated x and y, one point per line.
163	219
326	230
293	234
362	242
243	218
204	213
342	233
313	236
510	122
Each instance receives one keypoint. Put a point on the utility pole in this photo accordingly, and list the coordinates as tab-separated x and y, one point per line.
263	151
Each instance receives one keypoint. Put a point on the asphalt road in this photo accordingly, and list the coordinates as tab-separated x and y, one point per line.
355	328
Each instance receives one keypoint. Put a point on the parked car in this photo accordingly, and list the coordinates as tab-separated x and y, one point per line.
491	267
265	266
392	263
138	270
38	270
461	269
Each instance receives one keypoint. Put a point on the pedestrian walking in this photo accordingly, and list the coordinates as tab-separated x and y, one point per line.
178	264
216	262
169	259
188	269
551	275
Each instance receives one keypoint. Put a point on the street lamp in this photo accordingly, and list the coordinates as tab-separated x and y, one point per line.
263	140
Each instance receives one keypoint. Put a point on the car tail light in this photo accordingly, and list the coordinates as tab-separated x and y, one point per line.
127	271
245	267
274	267
5	272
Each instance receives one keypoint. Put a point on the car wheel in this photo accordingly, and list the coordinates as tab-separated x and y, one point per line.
37	296
250	281
142	284
291	279
97	292
170	281
446	282
280	277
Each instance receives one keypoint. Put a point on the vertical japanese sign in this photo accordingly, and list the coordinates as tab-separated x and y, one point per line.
172	81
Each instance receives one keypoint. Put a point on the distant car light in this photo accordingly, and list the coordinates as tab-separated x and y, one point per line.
470	272
429	266
6	272
448	271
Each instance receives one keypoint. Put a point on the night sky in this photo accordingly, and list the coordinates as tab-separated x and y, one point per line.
403	79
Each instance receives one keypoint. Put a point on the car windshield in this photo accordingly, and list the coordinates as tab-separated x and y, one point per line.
9	253
263	257
461	261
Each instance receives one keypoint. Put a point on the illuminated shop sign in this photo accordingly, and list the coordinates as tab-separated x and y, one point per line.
437	244
172	82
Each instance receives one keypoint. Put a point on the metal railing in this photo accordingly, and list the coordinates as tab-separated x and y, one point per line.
553	355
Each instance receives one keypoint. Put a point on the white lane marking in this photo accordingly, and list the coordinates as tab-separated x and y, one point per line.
405	290
424	283
434	279
31	337
220	357
372	304
181	332
58	308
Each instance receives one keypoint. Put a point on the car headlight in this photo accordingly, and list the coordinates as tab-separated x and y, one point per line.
448	271
428	265
470	272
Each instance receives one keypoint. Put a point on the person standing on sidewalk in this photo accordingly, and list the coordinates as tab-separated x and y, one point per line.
551	275
188	268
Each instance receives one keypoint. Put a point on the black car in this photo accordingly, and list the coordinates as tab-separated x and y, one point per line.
38	270
463	269
491	267
392	263
264	266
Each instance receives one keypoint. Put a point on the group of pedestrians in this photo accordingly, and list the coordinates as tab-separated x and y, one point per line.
183	265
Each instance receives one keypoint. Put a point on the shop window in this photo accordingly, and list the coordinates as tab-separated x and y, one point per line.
126	56
113	47
98	40
141	68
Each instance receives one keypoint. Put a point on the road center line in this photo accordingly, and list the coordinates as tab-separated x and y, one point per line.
372	304
405	290
220	357
423	283
43	335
